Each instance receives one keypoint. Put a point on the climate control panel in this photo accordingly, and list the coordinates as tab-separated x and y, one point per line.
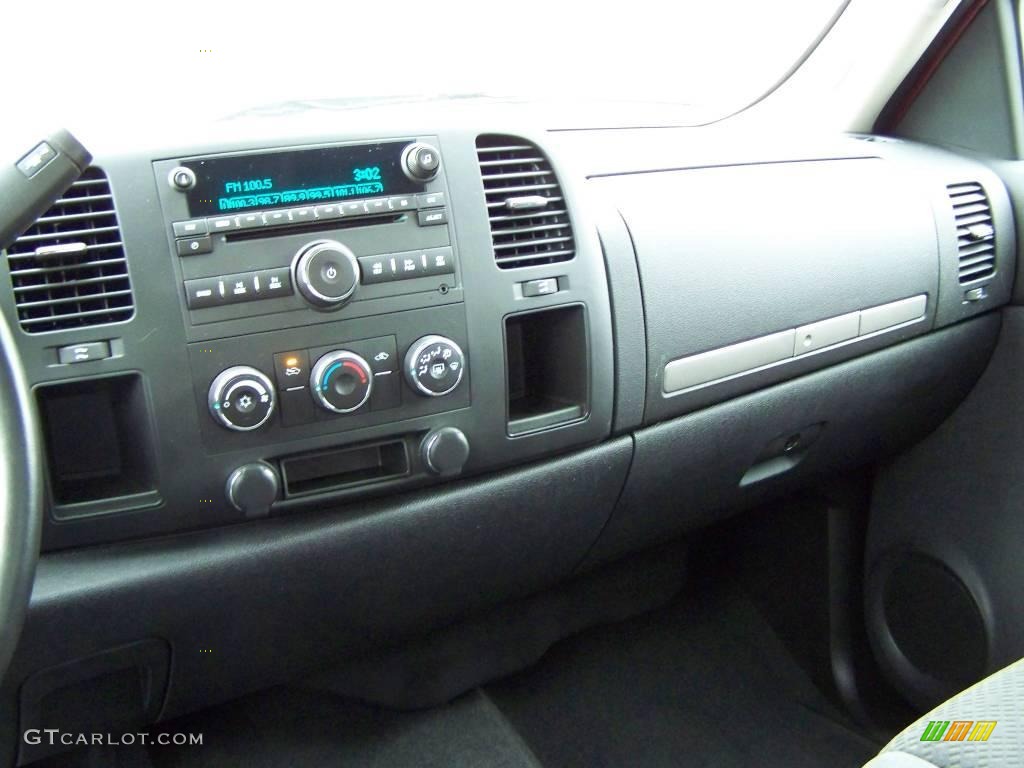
326	378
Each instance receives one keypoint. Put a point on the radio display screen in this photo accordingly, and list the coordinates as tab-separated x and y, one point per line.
236	183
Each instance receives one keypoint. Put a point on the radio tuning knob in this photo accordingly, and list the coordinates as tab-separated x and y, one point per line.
420	161
326	273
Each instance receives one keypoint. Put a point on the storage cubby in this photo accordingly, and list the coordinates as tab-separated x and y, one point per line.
547	365
98	443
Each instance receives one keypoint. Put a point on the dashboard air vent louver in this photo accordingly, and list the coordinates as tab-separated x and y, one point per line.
69	269
976	237
529	219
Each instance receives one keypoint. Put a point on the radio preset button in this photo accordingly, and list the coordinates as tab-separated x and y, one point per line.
193	246
304	213
401	203
332	211
191	228
250	220
353	209
222	223
272	218
377	205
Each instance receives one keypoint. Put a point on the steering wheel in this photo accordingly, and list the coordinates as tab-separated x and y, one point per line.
21	506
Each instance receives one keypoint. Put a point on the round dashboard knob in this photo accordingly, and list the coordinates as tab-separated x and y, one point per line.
444	451
326	273
341	381
241	399
434	366
182	178
252	488
420	161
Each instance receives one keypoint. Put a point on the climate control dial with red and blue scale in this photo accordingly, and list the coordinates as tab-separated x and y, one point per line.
341	381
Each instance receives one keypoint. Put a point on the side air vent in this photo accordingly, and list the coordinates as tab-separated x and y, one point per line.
529	220
976	237
69	269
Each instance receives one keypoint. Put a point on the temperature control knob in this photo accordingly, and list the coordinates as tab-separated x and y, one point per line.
434	366
326	273
420	161
241	399
341	381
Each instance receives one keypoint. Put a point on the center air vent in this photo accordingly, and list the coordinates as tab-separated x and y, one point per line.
529	219
976	237
69	269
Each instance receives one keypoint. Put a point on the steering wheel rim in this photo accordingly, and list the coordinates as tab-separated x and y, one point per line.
21	506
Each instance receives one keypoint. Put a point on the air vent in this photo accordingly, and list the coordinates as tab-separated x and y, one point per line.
69	269
529	220
976	237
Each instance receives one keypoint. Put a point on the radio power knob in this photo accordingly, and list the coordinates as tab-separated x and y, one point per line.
326	273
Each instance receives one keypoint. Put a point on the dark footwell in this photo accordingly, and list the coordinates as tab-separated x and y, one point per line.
703	682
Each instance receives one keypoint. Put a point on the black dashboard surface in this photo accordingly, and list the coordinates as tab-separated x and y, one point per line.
653	327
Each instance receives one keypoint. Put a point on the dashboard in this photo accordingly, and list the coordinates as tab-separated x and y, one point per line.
434	361
262	330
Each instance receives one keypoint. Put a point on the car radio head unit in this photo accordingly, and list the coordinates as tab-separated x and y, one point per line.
237	183
292	230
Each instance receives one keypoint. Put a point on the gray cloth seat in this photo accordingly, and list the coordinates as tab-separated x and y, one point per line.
953	735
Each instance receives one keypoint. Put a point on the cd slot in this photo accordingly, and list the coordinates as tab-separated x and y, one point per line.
314	226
